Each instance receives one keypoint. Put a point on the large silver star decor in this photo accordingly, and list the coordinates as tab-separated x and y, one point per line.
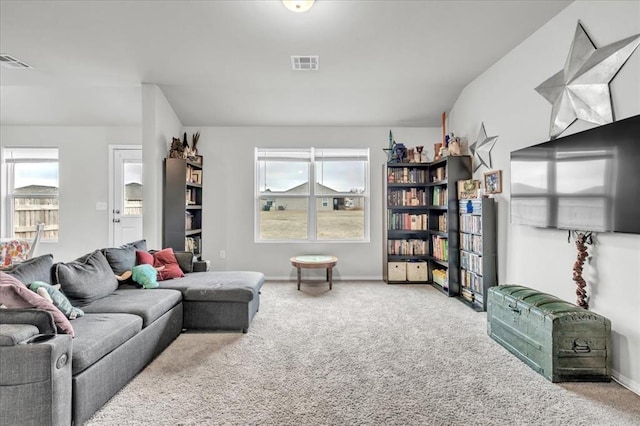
581	89
481	149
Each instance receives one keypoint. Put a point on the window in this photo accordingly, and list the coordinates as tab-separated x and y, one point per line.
31	191
335	208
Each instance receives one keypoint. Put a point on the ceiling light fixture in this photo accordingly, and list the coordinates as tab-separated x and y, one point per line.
298	6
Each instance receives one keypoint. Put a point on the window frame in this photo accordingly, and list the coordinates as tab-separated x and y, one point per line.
8	195
312	196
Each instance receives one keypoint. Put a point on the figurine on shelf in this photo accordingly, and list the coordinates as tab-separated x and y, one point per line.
177	149
185	143
454	147
436	151
400	152
390	150
192	152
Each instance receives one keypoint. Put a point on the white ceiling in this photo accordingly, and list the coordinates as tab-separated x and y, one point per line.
227	63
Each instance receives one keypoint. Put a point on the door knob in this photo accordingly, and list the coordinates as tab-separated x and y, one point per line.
116	220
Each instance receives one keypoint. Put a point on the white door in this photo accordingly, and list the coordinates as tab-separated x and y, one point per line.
125	211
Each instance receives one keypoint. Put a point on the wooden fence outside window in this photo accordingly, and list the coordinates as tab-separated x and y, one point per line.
28	212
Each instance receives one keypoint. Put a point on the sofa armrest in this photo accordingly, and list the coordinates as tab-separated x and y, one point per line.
35	378
39	318
201	266
12	334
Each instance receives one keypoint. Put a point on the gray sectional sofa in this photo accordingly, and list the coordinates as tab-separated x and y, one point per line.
51	378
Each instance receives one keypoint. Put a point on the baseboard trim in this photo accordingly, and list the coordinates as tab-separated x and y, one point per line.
626	382
335	279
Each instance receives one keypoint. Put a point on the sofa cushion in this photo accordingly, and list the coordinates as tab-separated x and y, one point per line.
123	258
98	335
147	304
35	269
222	286
85	279
14	294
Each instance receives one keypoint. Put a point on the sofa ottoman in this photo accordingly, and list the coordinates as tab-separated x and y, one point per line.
219	300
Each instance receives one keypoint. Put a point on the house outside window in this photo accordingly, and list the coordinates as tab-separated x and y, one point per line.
334	209
31	191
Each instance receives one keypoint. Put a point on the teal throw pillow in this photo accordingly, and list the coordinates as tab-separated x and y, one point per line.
58	299
145	275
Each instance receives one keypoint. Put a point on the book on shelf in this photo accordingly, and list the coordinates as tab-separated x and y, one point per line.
190	197
188	221
442	222
471	242
406	175
471	262
471	223
439	174
407	221
440	195
440	277
471	280
192	244
406	197
409	247
440	247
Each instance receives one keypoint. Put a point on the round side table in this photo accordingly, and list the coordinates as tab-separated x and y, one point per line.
314	261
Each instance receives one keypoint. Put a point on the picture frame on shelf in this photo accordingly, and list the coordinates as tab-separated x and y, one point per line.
493	182
196	176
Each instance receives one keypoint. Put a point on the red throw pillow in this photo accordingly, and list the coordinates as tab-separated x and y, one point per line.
164	257
143	258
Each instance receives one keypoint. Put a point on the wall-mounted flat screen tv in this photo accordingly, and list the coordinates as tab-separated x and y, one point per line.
588	181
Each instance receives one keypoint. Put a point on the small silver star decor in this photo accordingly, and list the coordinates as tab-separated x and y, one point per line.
581	89
481	149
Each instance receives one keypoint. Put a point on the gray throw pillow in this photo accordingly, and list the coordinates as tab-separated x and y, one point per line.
35	269
86	279
123	258
185	260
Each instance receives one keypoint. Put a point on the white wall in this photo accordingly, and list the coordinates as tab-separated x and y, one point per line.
83	178
505	100
228	209
159	124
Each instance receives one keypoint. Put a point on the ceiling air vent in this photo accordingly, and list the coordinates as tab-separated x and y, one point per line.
305	63
9	61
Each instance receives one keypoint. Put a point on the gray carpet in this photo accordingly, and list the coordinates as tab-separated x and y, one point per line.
365	353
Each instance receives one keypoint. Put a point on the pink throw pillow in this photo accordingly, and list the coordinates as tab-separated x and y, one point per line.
14	294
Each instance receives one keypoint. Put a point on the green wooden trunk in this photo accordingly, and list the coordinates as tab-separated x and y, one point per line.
558	339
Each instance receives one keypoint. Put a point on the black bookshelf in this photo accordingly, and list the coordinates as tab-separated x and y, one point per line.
182	205
419	244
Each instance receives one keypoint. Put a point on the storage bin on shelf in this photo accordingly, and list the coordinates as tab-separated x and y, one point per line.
417	271
397	271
